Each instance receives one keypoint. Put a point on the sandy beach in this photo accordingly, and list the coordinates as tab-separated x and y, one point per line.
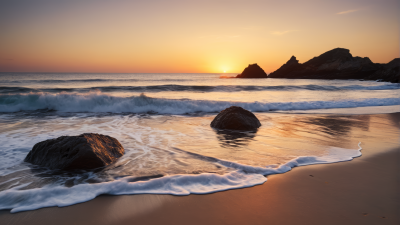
361	191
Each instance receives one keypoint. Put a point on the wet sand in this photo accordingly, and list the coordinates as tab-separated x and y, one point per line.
362	191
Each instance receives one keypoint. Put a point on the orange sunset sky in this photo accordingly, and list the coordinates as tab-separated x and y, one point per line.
179	36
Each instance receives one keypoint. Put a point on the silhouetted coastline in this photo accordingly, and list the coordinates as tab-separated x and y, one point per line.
337	63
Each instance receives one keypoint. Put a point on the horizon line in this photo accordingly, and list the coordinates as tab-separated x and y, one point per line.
119	72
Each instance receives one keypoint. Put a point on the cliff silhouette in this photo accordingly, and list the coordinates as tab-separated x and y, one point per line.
252	71
337	63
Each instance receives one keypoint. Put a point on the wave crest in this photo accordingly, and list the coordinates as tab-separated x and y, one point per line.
99	102
202	88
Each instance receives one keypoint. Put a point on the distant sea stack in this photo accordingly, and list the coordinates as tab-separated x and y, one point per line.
252	71
339	64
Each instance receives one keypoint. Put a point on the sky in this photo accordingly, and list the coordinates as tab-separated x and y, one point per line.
186	36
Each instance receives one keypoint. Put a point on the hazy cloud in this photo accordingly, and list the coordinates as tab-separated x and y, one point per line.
219	37
282	32
348	11
253	28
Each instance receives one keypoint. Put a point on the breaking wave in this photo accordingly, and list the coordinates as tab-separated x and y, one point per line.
98	102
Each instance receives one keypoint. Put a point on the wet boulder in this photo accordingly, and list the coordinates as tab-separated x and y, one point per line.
236	118
85	151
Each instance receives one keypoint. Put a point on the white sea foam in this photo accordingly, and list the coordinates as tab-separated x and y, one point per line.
245	176
98	102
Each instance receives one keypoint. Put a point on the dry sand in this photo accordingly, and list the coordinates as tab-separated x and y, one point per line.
363	191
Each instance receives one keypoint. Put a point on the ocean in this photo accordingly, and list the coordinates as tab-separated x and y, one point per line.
163	122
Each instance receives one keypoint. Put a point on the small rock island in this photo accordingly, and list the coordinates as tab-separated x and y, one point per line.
253	71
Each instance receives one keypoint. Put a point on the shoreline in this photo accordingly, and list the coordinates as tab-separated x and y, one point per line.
361	191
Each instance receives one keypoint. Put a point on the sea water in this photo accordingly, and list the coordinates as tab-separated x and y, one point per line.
163	122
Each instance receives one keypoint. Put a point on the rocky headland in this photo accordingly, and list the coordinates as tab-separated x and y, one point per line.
337	63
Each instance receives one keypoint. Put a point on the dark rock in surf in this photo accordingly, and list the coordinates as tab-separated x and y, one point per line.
236	118
252	71
85	151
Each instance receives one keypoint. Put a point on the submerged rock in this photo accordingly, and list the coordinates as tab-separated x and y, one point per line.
85	151
235	118
252	71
